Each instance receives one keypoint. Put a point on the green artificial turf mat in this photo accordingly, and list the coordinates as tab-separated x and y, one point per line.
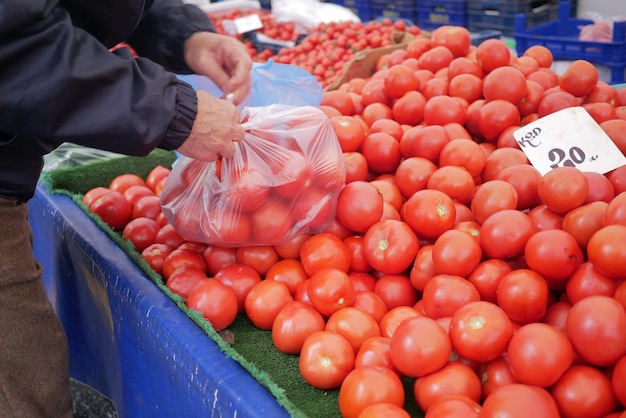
252	347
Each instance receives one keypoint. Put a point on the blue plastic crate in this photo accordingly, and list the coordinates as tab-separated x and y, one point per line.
500	14
561	38
478	38
435	13
359	7
394	9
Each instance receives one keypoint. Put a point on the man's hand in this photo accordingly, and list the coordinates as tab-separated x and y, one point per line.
217	125
223	59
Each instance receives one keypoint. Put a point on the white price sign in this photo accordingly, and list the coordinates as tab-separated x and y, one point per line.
569	137
248	23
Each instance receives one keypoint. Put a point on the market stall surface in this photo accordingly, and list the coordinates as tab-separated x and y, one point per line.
89	403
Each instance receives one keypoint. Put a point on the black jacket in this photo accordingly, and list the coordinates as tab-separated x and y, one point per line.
59	82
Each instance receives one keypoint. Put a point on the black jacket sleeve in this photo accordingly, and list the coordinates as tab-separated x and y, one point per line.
59	82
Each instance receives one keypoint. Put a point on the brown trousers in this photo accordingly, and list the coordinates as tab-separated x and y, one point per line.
34	359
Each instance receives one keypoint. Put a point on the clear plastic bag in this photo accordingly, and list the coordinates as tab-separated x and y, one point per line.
283	181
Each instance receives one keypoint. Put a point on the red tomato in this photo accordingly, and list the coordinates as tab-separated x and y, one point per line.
326	358
454	181
424	141
330	290
595	327
454	406
124	181
354	324
492	196
156	176
585	391
444	294
563	189
495	116
288	271
217	257
216	301
147	207
141	232
350	132
464	153
358	263
419	346
390	246
618	377
264	301
412	175
554	254
395	290
374	352
399	80
539	354
183	279
579	78
359	205
505	83
383	410
616	211
524	178
94	194
480	331
494	374
519	401
607	250
456	252
503	235
486	277
369	385
429	213
155	254
409	109
324	250
113	209
452	379
260	257
441	110
271	223
134	193
500	158
241	278
523	295
181	257
455	38
167	234
293	325
381	151
291	247
493	53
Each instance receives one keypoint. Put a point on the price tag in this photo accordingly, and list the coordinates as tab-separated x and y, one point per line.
569	137
248	23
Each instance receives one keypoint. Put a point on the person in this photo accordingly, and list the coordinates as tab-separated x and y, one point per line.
62	80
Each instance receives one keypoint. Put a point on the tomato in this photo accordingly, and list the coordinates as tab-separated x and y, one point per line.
424	141
339	100
271	222
545	218
412	175
324	250
456	253
326	358
486	277
556	101
350	132
554	254
501	158
390	191
288	271
480	331
181	257
354	324
493	53
588	281
454	406
524	178
291	247
264	301
394	317
539	354
504	234
419	346
359	205
375	352
368	385
454	378
216	301
495	116
445	293
293	325
93	194
356	166
329	290
241	278
183	279
134	193
409	109
390	246
579	78
155	254
429	213
113	209
436	58
155	176
376	111
454	181
618	377
519	401
615	130
457	39
464	153
395	290
141	232
370	302
383	410
505	83
563	189
541	54
217	257
167	234
493	196
399	80
616	211
494	374
595	327
523	295
618	179
607	250
124	181
147	207
585	391
440	110
382	152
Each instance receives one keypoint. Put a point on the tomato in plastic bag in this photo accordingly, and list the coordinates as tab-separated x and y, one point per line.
283	181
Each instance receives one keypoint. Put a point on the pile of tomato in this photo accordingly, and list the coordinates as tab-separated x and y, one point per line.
450	261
